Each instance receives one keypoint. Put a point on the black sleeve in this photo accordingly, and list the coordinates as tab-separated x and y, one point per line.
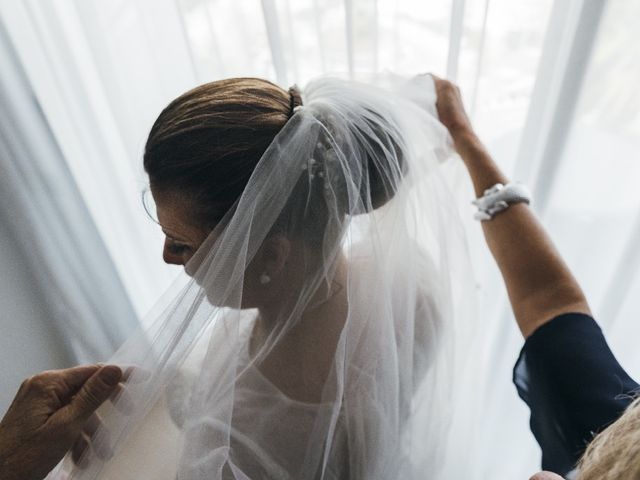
573	385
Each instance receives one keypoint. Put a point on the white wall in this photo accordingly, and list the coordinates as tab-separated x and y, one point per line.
27	342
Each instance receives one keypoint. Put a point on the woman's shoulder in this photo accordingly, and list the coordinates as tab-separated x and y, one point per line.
570	379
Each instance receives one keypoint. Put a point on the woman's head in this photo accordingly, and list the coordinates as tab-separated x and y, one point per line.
202	149
206	143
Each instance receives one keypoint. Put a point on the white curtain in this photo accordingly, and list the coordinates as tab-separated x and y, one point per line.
40	206
551	86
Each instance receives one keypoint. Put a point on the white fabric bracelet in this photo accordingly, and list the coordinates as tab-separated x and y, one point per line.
498	198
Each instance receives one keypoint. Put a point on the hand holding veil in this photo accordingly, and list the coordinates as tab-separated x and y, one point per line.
313	333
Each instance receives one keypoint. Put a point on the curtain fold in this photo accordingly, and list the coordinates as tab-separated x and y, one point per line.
41	207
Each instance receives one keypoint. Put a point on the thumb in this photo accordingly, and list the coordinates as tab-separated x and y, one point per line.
94	392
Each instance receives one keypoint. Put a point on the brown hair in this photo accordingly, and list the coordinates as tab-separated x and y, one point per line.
207	142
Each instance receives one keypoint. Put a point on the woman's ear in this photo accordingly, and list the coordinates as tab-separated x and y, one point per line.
275	253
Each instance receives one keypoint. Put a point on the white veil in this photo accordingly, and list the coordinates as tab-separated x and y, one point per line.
349	373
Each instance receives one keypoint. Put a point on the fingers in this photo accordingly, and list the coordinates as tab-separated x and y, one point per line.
438	80
76	377
83	445
79	448
444	85
101	446
135	374
107	382
93	423
71	378
450	107
122	400
94	392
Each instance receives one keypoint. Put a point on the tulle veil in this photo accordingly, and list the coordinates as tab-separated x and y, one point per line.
352	373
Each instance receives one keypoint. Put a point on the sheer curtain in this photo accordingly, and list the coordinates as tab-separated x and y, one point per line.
551	86
41	208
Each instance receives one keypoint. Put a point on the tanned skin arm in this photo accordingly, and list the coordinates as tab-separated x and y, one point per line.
539	283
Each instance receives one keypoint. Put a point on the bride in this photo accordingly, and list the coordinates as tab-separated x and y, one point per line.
312	336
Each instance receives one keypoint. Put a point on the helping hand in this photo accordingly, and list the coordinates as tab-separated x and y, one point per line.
450	107
48	416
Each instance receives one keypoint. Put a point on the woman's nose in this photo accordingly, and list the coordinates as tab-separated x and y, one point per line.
169	257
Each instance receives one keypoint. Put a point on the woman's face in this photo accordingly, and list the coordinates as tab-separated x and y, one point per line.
183	236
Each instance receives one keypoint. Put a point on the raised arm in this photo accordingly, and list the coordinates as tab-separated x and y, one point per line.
539	283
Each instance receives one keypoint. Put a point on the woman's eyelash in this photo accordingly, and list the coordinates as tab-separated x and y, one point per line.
177	249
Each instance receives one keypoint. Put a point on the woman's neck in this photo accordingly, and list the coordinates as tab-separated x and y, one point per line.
299	361
273	315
